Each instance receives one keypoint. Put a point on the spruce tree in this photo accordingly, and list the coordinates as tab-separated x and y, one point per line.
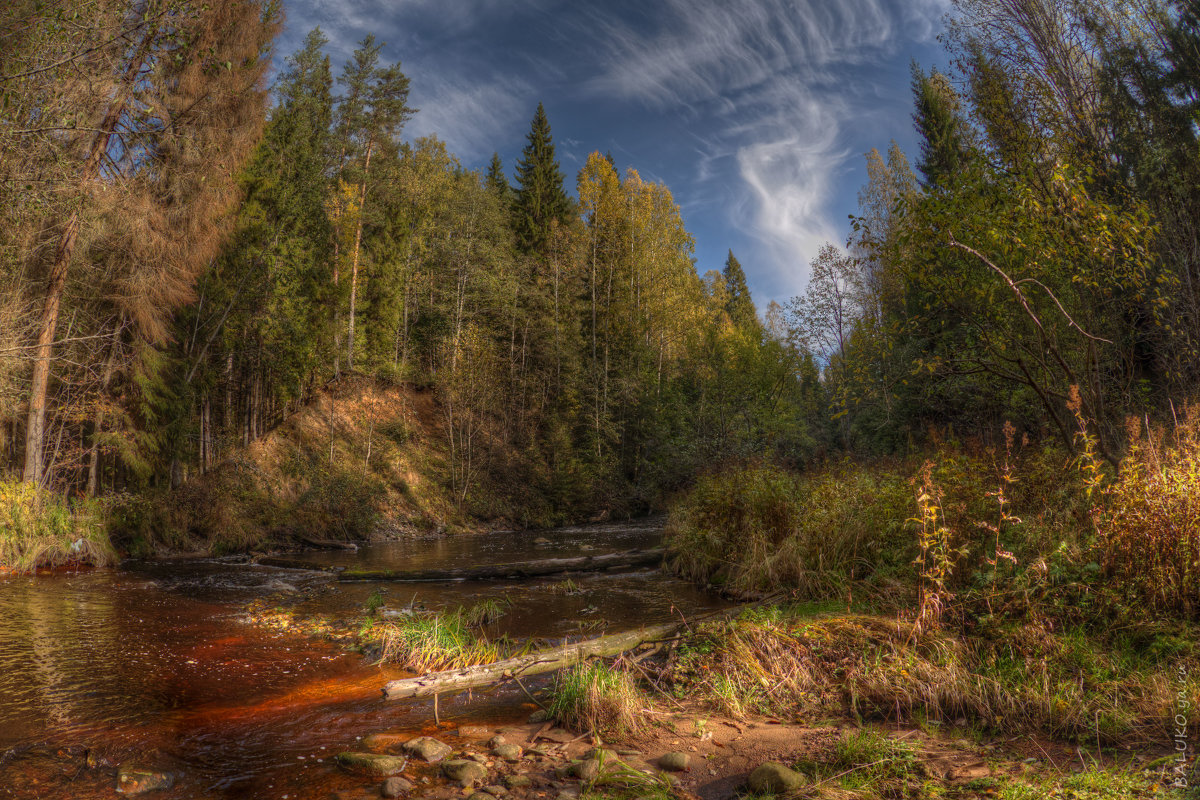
497	181
937	120
540	196
739	306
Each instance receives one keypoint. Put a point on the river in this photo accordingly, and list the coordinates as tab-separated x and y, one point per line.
157	661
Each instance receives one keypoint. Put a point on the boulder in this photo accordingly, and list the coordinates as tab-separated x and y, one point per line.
517	781
674	762
427	748
587	770
372	764
775	778
396	787
509	752
465	773
135	779
384	741
602	753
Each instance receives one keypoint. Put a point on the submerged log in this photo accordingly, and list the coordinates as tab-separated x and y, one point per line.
628	559
295	563
534	663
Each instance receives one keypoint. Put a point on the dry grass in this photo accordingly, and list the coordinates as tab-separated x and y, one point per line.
1064	685
431	642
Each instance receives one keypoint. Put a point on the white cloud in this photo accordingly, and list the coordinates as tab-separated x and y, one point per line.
765	70
470	116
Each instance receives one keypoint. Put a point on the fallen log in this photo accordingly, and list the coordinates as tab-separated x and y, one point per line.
628	559
535	663
294	563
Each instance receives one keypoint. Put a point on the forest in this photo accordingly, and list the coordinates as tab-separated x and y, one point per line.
242	312
193	255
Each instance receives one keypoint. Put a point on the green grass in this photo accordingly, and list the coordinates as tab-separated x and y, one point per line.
431	642
596	697
41	529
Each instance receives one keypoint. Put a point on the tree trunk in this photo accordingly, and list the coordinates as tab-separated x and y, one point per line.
39	381
362	202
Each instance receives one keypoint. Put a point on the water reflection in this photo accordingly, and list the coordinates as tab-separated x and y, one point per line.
156	661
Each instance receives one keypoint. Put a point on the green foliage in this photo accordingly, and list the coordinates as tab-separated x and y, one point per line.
540	196
38	528
758	527
595	697
430	642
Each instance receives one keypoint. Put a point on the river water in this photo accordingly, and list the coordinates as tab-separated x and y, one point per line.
158	663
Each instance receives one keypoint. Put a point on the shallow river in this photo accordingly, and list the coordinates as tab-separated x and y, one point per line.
156	662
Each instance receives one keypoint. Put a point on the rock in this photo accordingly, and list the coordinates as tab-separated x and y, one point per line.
586	771
497	740
563	770
372	764
568	794
383	741
496	791
476	757
134	779
675	762
473	732
427	748
601	753
466	773
480	796
517	781
539	716
396	787
775	778
509	752
541	540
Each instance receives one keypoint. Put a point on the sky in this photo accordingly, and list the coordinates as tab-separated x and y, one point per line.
755	113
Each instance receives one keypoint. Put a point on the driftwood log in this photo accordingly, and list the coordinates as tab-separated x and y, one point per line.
535	663
628	559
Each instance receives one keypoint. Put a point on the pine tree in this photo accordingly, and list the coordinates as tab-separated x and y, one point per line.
497	181
739	305
540	196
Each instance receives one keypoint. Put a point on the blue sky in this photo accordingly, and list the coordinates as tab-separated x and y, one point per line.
756	113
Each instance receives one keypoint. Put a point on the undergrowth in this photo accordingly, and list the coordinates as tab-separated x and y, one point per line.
595	697
1065	684
39	528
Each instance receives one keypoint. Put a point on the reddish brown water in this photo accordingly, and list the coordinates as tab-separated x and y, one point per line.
157	663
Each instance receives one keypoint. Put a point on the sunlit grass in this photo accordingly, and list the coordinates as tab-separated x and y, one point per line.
40	528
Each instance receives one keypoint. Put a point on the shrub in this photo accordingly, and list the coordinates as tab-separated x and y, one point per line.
758	527
1148	521
40	528
596	697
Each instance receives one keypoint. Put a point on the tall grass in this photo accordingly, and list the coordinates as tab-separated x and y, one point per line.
40	528
1148	519
596	697
1068	685
430	642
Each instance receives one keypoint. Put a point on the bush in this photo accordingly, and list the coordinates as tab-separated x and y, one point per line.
1148	521
758	527
596	697
38	528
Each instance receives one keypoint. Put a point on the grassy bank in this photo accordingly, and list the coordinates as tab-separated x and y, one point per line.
39	528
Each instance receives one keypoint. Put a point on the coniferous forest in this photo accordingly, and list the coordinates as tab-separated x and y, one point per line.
243	310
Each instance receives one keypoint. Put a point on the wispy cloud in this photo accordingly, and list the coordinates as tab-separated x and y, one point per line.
470	115
772	75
